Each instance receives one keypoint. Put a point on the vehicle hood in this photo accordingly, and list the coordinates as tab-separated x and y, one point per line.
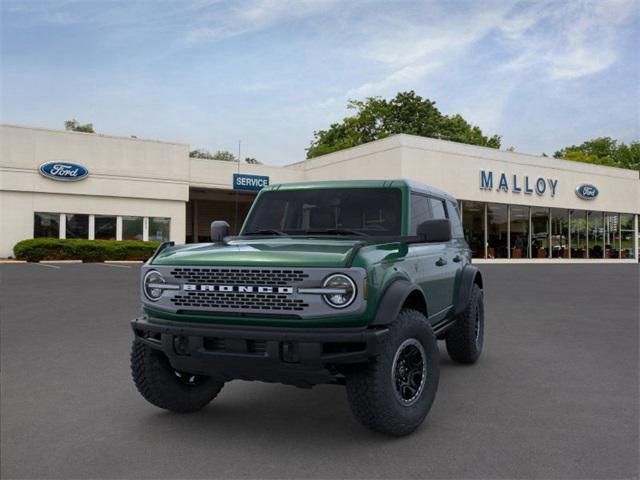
277	252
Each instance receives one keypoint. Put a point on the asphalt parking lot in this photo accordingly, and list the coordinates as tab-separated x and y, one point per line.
555	394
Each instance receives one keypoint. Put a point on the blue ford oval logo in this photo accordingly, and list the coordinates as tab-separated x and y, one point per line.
586	191
64	171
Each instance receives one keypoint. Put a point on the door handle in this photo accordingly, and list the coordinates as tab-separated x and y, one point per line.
457	258
441	262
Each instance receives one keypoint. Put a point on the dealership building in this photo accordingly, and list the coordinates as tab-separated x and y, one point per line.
515	207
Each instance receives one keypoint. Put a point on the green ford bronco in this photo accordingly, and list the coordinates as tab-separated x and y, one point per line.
349	283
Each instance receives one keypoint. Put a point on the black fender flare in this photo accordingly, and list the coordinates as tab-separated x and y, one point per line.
393	299
470	275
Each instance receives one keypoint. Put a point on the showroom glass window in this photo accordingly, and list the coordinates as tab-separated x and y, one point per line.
595	235
420	211
578	234
473	225
132	228
497	227
626	236
159	228
611	235
77	226
519	231
559	233
46	225
105	227
539	232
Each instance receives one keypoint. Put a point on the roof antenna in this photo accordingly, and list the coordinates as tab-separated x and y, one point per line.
236	228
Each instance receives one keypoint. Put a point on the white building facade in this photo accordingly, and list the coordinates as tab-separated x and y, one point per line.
515	207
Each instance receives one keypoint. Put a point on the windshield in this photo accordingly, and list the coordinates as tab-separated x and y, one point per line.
330	211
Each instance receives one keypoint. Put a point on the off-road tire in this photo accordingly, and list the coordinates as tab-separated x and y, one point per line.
464	342
161	386
371	389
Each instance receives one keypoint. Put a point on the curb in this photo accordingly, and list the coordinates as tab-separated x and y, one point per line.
60	261
124	261
7	261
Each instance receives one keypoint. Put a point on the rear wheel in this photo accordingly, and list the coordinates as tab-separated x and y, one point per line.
394	393
466	337
163	386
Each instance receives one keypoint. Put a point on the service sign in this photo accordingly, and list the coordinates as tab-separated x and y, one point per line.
253	183
586	191
63	171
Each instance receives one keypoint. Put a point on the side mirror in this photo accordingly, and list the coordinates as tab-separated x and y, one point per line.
436	230
219	230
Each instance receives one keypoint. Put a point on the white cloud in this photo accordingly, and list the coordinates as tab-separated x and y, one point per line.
405	77
246	17
404	39
564	41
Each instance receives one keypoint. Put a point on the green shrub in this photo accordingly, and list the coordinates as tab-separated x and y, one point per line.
37	249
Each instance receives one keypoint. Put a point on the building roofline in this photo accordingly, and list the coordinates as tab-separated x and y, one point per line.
529	156
117	137
353	149
429	143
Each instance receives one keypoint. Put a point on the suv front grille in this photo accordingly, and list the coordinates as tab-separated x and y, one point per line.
249	291
235	301
235	276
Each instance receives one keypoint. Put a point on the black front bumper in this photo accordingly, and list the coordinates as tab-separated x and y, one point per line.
298	356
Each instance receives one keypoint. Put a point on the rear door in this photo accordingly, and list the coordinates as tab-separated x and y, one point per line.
450	251
461	250
427	262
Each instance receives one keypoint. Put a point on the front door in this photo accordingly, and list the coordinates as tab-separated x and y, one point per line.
435	263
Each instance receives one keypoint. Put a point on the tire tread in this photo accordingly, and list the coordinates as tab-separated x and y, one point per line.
372	401
152	375
460	339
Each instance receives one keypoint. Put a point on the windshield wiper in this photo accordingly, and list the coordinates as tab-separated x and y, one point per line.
267	231
337	231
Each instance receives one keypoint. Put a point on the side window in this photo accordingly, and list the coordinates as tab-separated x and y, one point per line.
420	211
437	206
456	224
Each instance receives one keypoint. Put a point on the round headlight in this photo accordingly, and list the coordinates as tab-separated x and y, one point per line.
150	285
344	291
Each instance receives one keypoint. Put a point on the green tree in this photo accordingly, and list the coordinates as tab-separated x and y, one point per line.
225	156
201	153
604	151
74	126
252	161
377	118
219	155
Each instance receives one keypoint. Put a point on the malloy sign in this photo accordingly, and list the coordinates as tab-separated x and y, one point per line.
518	183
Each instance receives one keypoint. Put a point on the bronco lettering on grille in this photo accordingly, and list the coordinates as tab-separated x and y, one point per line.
236	289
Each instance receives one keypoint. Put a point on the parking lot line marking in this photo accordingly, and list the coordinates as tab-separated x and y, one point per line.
47	265
113	265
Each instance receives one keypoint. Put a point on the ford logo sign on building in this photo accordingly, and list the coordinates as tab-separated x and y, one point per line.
63	171
586	191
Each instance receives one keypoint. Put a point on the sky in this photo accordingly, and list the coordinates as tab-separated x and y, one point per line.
542	74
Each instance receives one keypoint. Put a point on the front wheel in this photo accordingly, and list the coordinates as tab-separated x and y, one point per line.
163	386
394	393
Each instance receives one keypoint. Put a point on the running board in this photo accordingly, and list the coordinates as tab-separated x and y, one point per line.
442	327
